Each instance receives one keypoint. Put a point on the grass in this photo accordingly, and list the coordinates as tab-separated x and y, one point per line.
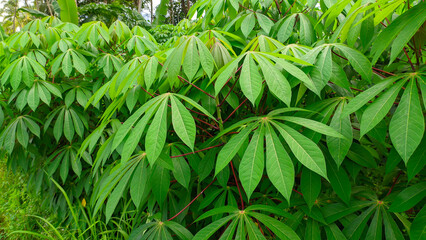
17	203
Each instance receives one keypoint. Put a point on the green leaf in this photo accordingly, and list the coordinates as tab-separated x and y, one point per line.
278	228
183	122
312	230
375	228
160	180
206	232
407	125
356	227
150	72
264	22
418	227
391	228
417	160
68	11
333	212
139	183
276	81
33	98
286	29
408	198
411	17
307	34
135	135
334	233
253	230
310	186
66	63
324	64
191	62
299	74
231	148
116	195
22	134
313	125
361	156
252	163
181	171
367	95
1	116
339	181
379	108
157	133
339	147
179	230
248	24
359	62
68	126
279	166
206	58
306	151
250	79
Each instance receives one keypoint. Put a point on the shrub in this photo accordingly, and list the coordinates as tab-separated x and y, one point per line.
260	119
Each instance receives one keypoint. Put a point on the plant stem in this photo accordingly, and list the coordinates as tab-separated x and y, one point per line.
192	201
238	186
235	110
204	149
393	184
181	78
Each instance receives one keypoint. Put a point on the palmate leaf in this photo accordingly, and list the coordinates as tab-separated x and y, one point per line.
242	225
189	54
160	230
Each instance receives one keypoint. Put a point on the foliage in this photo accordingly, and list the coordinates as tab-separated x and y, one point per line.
260	119
16	203
108	13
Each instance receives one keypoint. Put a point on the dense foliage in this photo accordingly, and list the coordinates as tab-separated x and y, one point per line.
259	119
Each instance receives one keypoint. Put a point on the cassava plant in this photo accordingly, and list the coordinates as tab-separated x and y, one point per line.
258	119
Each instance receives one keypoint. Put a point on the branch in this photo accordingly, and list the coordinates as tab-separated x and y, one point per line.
181	78
234	110
238	186
185	154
